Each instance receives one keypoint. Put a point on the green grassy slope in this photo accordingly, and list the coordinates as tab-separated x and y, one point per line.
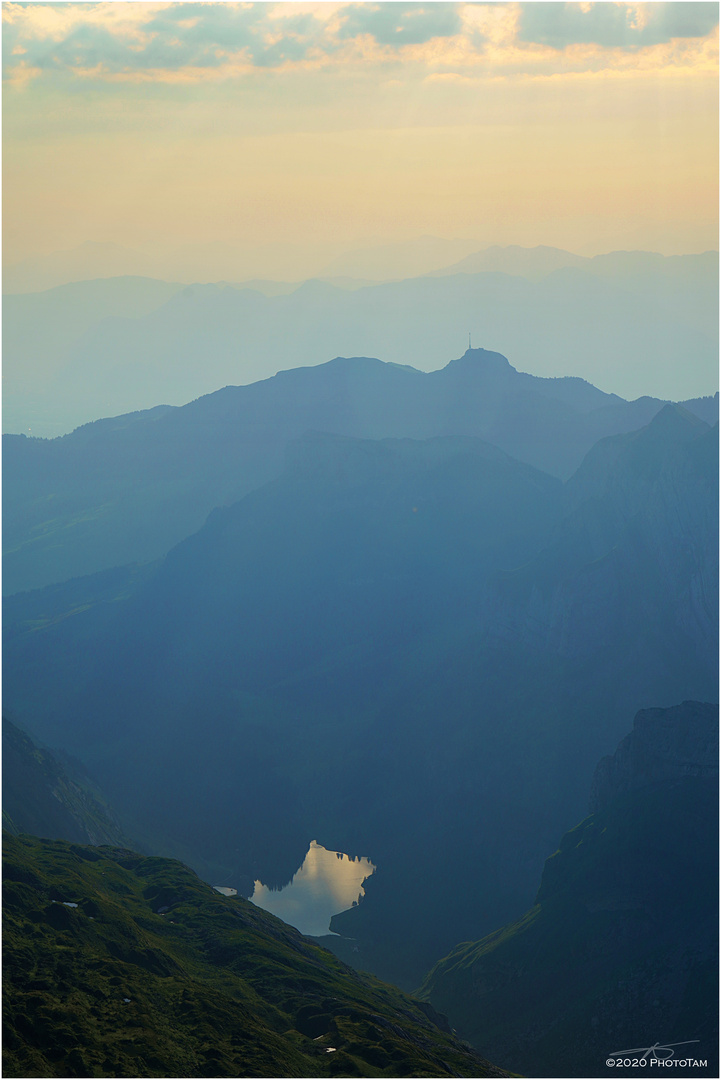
155	974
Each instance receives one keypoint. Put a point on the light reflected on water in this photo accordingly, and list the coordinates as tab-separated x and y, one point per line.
327	883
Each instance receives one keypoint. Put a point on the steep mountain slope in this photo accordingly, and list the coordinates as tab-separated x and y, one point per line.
128	489
417	651
620	949
119	965
637	550
44	795
621	607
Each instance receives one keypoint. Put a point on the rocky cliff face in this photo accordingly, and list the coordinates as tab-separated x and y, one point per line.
45	796
621	946
665	745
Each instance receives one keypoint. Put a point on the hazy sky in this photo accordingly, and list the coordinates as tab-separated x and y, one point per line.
585	126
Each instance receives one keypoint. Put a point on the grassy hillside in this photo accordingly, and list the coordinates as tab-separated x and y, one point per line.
119	965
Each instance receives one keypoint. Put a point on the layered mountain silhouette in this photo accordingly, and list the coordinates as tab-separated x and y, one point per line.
620	949
127	489
414	648
393	608
624	321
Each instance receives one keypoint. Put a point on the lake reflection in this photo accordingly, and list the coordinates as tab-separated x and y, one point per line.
327	883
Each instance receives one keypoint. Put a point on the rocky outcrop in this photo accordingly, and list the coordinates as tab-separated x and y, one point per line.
665	744
52	798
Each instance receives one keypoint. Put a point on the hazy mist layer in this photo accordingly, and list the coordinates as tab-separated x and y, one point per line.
631	323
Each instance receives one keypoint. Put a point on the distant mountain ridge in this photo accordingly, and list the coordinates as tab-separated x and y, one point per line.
533	263
622	321
406	613
537	262
126	489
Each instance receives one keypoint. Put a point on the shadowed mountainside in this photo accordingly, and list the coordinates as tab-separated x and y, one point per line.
636	551
417	650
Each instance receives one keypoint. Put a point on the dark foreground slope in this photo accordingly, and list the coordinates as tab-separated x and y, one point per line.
45	795
621	947
119	965
127	489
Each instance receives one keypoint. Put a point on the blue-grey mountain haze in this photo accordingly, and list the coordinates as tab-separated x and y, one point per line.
632	323
389	645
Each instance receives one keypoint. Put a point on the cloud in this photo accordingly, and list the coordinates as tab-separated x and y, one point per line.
401	23
169	39
679	20
113	39
108	42
614	25
205	29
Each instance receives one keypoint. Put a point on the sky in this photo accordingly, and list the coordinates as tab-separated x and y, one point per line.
332	126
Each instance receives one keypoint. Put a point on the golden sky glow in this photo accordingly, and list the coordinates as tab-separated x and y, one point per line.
585	126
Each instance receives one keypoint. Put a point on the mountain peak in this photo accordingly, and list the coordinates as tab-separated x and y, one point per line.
674	420
482	360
